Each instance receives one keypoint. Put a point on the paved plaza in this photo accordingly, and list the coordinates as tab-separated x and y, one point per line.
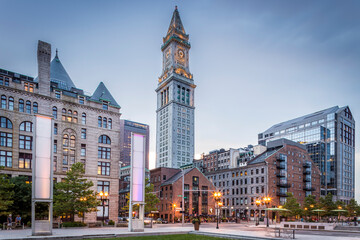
228	230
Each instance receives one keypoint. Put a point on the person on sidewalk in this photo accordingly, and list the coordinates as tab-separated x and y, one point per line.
9	222
18	220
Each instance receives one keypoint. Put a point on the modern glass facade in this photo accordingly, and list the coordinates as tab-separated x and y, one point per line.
329	138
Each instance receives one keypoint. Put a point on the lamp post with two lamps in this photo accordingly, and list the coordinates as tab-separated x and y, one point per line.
267	201
83	199
258	202
218	203
174	206
103	197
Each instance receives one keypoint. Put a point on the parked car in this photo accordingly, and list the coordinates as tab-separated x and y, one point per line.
160	220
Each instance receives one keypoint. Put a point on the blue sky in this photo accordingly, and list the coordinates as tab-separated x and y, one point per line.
255	63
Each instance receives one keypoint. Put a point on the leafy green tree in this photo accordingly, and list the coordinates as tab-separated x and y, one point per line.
6	194
292	205
150	199
310	203
73	195
353	208
22	199
326	203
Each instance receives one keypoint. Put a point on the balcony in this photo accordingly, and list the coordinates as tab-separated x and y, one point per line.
281	174
280	159
283	184
306	165
309	188
281	194
307	172
280	166
307	179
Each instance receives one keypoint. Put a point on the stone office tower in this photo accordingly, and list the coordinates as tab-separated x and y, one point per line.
175	100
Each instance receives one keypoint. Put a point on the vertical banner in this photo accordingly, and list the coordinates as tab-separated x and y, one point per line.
138	168
137	182
42	176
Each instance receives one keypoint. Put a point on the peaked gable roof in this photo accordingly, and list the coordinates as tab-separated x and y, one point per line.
102	94
59	75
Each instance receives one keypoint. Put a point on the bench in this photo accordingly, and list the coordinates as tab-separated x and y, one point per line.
284	233
13	226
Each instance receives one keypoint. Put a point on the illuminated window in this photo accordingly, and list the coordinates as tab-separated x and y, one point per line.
66	140
25	160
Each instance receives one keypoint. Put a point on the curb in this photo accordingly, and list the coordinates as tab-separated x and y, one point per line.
231	236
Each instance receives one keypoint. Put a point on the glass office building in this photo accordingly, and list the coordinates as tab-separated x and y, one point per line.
329	136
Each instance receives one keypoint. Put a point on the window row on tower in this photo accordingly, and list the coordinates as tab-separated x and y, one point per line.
165	96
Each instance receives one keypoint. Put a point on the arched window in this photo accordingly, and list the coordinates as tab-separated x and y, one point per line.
5	122
75	113
83	118
69	112
99	121
72	141
66	140
110	123
26	126
104	139
64	111
54	112
3	101
11	103
35	107
28	106
21	105
105	122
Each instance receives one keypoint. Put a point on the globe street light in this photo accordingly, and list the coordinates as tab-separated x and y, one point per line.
218	203
83	199
103	197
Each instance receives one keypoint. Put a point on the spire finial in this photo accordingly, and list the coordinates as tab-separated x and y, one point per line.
56	53
175	7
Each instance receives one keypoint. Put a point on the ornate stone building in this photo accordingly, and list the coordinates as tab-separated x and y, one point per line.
175	100
86	128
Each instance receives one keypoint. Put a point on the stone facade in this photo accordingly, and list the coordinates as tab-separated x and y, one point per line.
76	133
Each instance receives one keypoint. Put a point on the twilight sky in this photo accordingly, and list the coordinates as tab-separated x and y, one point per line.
255	63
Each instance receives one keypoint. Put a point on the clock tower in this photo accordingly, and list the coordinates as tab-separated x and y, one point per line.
175	100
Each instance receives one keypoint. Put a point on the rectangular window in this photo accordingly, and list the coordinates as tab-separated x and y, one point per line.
104	168
57	94
104	152
105	105
81	100
5	139
55	146
83	150
55	163
55	129
83	133
25	160
25	142
29	87
5	159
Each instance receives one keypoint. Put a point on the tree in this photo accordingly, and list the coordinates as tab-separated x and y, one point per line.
326	203
310	203
22	198
352	208
150	199
6	194
292	205
73	195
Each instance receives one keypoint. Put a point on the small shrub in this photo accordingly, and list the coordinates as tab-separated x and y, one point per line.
73	224
196	220
111	222
1	226
28	224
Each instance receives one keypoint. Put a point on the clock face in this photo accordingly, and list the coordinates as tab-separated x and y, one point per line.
181	53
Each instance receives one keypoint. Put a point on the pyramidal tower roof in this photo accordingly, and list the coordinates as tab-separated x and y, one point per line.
102	94
59	75
176	29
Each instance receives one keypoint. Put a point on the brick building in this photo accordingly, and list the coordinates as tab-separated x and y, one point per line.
284	167
86	128
197	196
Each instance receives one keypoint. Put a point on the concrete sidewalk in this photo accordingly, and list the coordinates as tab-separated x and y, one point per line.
230	232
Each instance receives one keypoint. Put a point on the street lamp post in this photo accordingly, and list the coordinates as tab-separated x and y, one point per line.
218	203
267	201
83	199
258	202
103	197
174	206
